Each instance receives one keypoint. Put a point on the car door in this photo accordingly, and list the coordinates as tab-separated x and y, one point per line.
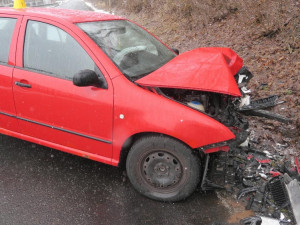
49	106
8	37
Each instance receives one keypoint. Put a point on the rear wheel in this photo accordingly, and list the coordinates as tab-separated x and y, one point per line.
162	168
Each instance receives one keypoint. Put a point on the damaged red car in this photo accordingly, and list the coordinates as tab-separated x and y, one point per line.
102	87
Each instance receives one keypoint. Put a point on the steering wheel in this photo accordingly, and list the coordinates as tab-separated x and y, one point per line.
120	55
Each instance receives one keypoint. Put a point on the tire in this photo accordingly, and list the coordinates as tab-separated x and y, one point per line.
162	168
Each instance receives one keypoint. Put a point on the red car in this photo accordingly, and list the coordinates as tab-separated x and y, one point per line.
101	87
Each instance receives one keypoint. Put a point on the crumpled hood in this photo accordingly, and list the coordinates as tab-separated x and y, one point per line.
204	69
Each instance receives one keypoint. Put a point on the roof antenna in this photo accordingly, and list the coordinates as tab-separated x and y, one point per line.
19	4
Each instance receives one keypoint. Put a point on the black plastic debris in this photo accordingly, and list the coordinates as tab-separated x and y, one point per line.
268	115
260	179
257	108
262	103
265	187
278	191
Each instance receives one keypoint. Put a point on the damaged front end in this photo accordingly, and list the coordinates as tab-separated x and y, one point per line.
214	82
221	107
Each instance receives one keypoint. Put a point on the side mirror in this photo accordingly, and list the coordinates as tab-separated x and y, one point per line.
86	78
175	50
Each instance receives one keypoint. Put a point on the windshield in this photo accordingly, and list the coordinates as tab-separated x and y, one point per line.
133	50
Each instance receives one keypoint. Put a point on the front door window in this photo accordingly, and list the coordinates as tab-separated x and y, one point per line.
49	49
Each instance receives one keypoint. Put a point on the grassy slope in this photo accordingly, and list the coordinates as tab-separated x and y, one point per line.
265	33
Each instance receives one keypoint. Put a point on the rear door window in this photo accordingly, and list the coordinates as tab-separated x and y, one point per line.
49	49
7	26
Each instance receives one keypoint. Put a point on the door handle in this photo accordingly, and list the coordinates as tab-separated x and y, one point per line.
22	84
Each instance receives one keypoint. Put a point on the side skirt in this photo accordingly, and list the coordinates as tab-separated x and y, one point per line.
59	147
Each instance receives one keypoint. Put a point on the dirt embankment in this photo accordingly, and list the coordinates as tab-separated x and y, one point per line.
265	33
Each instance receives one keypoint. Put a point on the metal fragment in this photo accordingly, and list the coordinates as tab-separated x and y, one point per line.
293	190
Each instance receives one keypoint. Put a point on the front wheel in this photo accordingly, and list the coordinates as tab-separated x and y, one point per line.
163	168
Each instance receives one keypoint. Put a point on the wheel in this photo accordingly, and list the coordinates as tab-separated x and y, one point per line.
163	168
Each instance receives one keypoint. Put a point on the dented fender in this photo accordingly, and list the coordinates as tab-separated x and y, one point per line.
138	110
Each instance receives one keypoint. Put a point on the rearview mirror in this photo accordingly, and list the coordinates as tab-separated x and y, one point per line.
86	78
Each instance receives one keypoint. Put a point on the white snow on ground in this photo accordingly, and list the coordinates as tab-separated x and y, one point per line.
95	9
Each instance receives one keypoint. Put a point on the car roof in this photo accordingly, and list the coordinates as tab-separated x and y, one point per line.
73	16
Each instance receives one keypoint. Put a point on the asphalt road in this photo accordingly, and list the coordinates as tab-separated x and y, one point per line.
39	185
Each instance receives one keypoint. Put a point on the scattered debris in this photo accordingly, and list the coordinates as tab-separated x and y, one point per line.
269	183
261	178
251	220
262	103
293	190
268	114
262	220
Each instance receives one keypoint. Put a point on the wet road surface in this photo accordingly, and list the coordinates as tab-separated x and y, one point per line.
39	185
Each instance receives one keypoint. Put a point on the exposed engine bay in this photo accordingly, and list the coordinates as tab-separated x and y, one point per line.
221	107
226	109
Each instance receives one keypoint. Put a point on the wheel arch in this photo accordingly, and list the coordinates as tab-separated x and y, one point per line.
133	138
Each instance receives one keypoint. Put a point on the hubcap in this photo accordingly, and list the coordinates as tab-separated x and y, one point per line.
161	169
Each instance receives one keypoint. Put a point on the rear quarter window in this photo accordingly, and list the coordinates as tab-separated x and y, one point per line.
7	26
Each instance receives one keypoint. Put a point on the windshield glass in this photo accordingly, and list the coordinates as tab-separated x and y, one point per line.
131	48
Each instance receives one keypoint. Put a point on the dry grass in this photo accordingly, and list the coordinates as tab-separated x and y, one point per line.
269	15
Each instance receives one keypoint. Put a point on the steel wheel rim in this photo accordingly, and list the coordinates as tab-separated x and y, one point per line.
161	170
